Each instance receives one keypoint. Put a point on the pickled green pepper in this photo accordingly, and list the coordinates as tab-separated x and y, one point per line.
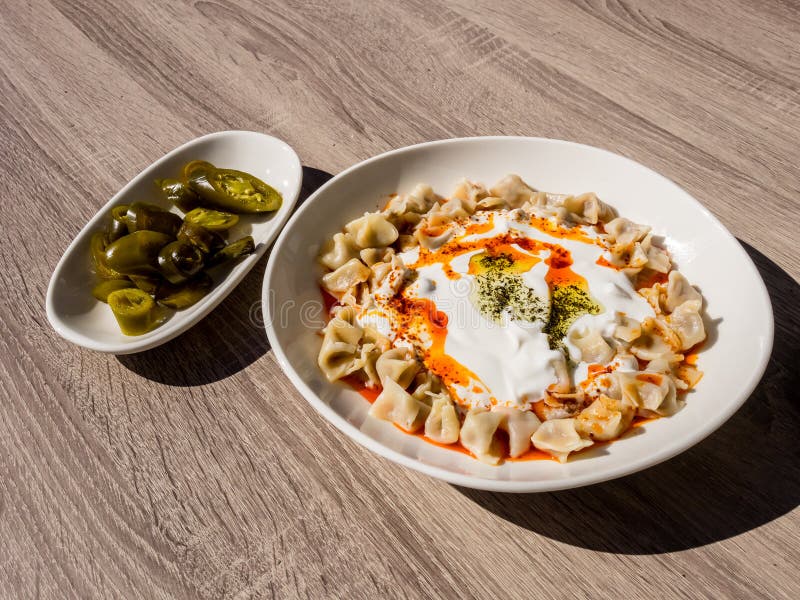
234	191
134	310
185	295
136	253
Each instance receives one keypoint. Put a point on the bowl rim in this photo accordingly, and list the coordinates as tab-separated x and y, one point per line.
233	278
681	444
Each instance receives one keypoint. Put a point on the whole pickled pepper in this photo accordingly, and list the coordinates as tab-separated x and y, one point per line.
136	253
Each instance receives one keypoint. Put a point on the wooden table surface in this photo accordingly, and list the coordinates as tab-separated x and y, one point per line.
195	469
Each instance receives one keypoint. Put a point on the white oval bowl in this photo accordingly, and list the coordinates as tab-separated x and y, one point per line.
739	315
78	317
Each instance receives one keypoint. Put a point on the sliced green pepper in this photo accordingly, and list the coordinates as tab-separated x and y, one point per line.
149	217
232	251
178	261
105	287
235	191
97	247
134	310
196	165
213	220
179	193
185	295
136	253
207	241
118	226
120	213
147	284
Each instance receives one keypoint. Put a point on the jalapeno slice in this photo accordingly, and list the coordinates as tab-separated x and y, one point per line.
136	253
134	310
146	283
232	251
185	295
118	226
196	166
149	217
207	241
234	191
213	220
178	193
97	248
105	287
179	260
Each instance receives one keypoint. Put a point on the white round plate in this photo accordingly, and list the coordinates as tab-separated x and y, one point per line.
78	317
739	314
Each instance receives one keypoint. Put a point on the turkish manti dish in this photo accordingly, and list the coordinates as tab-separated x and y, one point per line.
507	322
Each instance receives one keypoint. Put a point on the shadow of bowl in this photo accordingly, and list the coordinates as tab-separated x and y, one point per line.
743	476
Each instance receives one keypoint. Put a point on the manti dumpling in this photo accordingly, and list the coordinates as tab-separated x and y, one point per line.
559	437
605	418
340	345
398	406
651	393
373	230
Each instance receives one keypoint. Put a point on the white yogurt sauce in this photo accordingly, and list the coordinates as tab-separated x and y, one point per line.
512	360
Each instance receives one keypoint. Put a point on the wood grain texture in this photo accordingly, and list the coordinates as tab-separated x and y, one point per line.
195	469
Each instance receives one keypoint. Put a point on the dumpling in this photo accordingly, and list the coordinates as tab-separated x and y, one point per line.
426	385
374	344
687	324
558	405
345	277
559	437
630	256
679	291
477	435
625	232
338	251
605	418
443	214
442	424
339	345
590	346
651	393
490	203
432	237
398	365
655	340
371	231
398	406
512	190
657	258
689	374
470	194
519	425
546	204
587	208
419	201
370	256
626	328
421	198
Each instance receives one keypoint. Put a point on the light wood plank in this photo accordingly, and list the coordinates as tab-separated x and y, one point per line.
196	469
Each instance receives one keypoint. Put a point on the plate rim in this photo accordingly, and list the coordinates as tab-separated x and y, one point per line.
513	486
